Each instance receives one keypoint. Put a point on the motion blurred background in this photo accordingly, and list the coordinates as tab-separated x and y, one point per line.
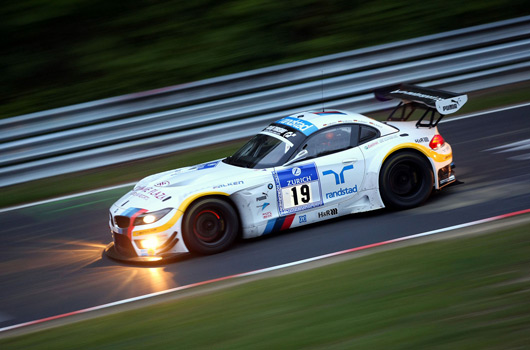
62	52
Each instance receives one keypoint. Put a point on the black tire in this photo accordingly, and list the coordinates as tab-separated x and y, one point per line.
210	226
406	180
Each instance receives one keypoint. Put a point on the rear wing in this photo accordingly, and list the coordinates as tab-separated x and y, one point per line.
416	97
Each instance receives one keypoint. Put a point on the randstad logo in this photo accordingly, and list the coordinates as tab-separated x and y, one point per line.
339	178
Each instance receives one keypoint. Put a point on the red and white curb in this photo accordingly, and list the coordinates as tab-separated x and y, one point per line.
272	268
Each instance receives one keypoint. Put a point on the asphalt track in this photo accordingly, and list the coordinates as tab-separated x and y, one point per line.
51	260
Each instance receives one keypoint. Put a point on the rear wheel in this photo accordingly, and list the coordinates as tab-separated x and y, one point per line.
210	226
406	180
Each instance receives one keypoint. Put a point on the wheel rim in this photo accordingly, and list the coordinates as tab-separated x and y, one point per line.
405	179
209	226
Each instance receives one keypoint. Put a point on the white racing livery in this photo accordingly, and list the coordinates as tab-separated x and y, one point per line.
301	169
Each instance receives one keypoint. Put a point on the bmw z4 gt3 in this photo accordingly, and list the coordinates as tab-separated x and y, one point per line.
303	168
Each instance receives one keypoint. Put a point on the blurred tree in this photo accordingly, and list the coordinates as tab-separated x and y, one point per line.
61	52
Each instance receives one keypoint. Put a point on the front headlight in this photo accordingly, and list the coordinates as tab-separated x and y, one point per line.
150	243
150	217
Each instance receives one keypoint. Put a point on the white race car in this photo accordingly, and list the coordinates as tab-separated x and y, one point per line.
303	168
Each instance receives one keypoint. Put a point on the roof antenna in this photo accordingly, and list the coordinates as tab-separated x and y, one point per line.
322	87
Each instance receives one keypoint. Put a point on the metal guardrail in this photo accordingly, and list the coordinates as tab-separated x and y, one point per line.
162	121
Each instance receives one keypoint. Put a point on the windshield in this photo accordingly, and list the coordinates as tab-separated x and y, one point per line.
262	151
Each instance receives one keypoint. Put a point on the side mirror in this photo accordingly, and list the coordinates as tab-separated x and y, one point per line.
300	156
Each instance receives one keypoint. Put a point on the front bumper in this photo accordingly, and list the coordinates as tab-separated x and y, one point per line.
144	243
113	253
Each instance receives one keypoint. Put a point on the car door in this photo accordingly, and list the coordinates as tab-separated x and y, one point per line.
332	172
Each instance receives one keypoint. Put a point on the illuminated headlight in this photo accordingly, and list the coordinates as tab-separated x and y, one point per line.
150	243
149	218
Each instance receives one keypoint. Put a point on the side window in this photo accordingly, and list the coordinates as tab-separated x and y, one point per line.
329	140
367	134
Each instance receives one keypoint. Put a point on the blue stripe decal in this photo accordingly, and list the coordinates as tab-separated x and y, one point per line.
130	212
270	226
274	225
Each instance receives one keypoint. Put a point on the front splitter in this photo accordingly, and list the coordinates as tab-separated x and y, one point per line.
110	251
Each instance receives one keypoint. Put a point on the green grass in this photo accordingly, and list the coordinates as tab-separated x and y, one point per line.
463	293
109	176
134	171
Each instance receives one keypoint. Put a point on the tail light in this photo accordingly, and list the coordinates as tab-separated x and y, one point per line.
436	142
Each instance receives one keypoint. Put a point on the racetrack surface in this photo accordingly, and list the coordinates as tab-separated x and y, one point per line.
52	261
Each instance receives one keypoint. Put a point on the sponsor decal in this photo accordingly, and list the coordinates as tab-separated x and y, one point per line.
267	215
370	145
339	178
342	192
263	197
276	130
298	188
305	127
235	183
379	141
423	139
329	212
450	105
263	206
139	195
417	94
270	186
140	191
302	219
208	165
163	184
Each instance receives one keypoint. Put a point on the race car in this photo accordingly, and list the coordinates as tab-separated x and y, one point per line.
303	168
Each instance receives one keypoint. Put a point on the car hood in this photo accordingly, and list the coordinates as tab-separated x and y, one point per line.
170	188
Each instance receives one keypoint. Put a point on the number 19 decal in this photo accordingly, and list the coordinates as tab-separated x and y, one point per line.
300	195
298	189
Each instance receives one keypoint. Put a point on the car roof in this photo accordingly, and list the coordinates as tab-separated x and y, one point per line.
312	121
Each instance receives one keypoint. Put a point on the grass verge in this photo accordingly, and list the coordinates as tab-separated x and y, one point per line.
461	293
134	171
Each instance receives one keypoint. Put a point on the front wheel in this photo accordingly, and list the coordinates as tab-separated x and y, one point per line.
406	180
210	226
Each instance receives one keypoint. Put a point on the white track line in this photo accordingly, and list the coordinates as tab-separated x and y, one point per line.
466	116
260	271
58	199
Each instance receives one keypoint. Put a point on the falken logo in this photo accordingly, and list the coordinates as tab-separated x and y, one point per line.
265	205
329	212
235	183
339	178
